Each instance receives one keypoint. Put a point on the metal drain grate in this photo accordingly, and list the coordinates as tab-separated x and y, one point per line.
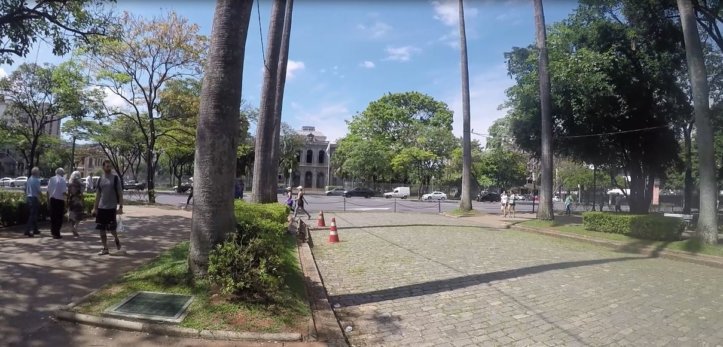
153	306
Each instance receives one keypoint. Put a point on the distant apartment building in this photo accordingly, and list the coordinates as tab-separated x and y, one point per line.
314	170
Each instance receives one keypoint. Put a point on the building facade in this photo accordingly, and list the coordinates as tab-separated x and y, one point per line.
314	170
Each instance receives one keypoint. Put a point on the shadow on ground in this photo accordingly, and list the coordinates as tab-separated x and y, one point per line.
44	274
455	283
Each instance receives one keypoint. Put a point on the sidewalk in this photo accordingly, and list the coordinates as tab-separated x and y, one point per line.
41	275
498	221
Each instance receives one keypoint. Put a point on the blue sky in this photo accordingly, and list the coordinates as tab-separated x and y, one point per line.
346	54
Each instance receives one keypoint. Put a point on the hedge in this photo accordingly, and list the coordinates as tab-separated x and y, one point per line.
14	207
648	226
249	263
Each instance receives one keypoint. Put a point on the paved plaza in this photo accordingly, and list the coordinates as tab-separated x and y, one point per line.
428	280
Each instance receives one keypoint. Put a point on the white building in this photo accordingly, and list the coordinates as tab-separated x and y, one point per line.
314	171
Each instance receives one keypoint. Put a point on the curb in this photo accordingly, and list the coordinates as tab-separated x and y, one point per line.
325	323
153	328
649	251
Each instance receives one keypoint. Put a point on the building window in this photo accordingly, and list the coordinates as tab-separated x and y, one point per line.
309	156
322	154
308	179
298	156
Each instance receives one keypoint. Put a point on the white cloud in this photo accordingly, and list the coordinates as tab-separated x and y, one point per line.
447	12
293	67
3	74
376	30
367	64
487	93
329	118
403	53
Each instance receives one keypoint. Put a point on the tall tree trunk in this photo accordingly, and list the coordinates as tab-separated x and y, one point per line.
216	141
545	210
688	181
465	203
150	174
281	82
262	191
708	218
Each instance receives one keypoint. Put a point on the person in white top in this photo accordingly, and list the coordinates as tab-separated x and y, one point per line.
504	198
89	183
57	188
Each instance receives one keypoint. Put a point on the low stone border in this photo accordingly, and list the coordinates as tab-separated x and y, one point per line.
326	326
170	330
649	251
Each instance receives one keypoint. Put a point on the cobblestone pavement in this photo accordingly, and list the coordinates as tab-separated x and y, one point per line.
426	280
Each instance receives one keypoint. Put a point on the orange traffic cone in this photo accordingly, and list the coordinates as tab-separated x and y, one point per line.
333	236
320	221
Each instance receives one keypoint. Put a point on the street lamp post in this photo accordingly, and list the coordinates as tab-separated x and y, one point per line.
533	191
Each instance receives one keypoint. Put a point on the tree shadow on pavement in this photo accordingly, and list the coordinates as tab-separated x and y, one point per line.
444	285
43	274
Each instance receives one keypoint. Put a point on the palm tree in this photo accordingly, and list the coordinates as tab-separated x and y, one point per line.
281	78
264	180
465	203
546	211
708	219
215	140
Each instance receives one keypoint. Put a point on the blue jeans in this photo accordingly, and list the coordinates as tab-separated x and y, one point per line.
34	206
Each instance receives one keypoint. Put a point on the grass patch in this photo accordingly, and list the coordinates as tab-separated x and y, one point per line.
460	213
169	273
689	246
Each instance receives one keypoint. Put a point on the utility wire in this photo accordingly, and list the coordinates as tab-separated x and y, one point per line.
261	35
612	133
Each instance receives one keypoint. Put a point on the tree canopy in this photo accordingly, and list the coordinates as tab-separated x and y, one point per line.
61	23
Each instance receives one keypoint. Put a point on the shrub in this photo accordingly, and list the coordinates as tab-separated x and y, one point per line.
14	208
249	263
649	227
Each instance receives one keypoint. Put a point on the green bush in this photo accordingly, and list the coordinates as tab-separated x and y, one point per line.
14	208
649	227
249	263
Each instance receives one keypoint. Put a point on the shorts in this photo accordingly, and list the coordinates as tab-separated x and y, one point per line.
105	219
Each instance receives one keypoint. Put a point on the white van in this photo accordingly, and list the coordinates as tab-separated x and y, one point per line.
399	192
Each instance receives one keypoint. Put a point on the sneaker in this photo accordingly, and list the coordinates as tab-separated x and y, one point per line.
29	234
103	251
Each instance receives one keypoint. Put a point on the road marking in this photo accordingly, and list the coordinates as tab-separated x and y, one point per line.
368	208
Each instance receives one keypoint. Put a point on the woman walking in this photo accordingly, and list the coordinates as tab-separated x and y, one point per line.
75	202
301	203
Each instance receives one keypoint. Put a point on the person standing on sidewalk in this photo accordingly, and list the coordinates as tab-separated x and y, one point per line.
75	201
57	189
32	193
504	198
109	195
190	195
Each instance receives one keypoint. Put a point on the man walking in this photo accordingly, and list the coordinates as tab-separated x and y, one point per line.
109	195
57	188
32	193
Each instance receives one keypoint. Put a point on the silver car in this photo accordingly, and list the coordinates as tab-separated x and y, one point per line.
20	181
434	196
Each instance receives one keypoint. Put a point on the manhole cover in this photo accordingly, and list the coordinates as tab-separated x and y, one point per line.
153	306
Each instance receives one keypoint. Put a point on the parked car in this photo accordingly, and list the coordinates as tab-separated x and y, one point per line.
7	182
488	196
434	196
556	198
131	184
365	192
44	181
20	181
335	191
